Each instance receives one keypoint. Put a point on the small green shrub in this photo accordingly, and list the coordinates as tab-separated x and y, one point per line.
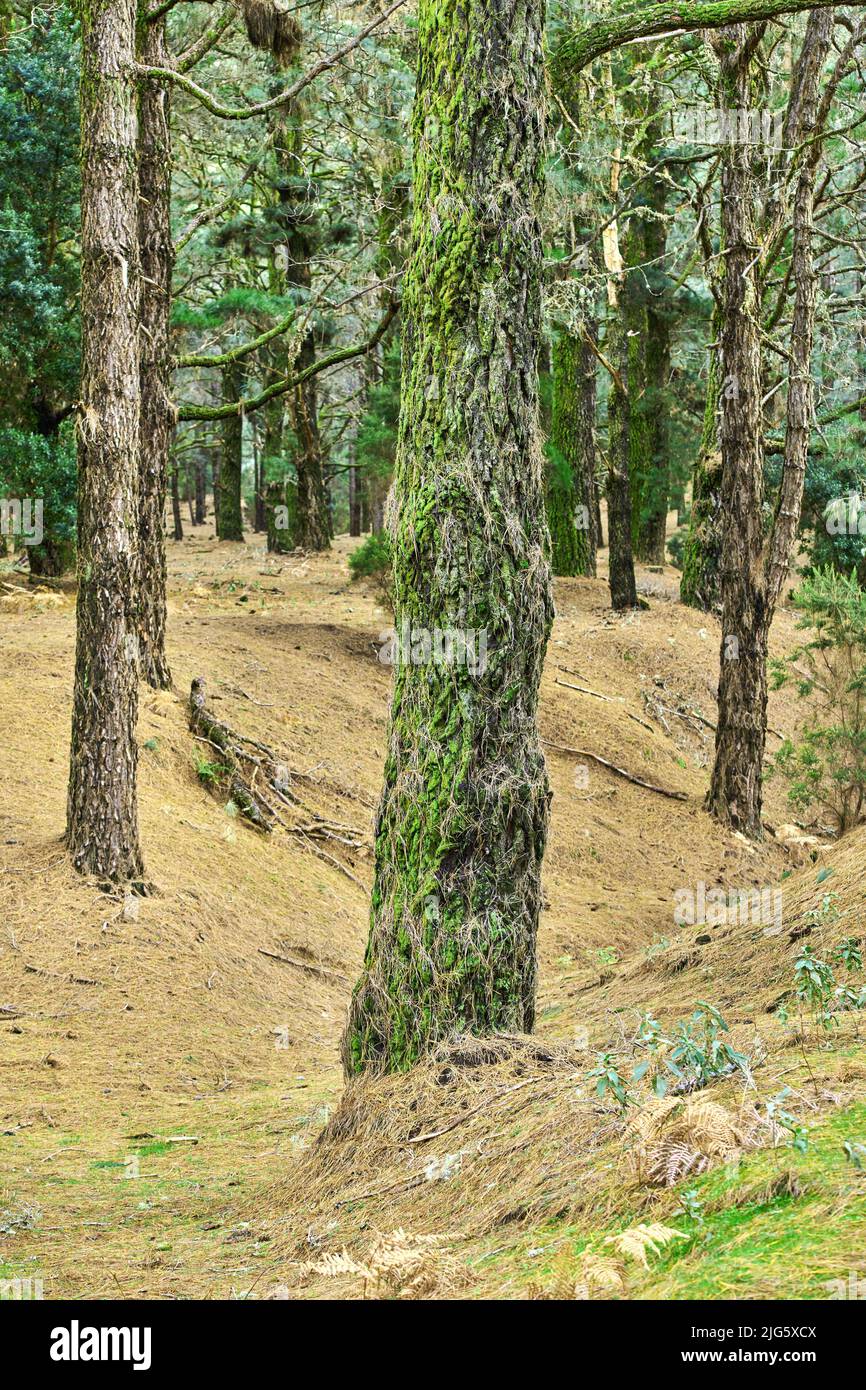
373	561
826	768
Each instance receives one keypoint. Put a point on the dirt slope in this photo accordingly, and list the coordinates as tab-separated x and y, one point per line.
157	1072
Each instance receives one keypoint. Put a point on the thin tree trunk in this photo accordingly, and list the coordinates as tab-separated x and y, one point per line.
312	519
230	511
752	574
102	812
652	522
175	504
200	492
463	818
623	589
354	502
157	415
700	584
586	448
568	506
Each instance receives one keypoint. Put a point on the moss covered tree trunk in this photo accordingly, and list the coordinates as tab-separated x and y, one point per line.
102	817
734	796
230	522
623	589
297	216
570	483
753	571
587	448
462	823
654	475
700	585
157	415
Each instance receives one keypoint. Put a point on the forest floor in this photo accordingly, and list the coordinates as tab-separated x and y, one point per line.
171	1121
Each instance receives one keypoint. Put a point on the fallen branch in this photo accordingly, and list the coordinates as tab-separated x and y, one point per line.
305	965
585	690
620	771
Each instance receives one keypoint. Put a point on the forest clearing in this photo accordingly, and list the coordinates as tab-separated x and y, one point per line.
432	659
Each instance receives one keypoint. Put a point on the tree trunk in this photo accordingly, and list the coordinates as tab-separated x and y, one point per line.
313	519
354	502
157	415
175	504
655	480
752	573
278	516
297	216
462	823
230	526
623	590
569	517
700	584
586	447
734	796
102	813
200	492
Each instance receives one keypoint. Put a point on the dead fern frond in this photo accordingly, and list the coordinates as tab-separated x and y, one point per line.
602	1276
668	1162
677	1135
639	1241
400	1265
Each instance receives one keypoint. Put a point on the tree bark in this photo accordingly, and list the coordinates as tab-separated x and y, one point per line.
570	509
200	492
102	813
586	447
157	414
653	476
463	818
313	518
623	590
752	573
176	517
230	525
734	796
700	584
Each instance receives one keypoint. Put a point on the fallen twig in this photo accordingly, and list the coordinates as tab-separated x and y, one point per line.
620	771
304	965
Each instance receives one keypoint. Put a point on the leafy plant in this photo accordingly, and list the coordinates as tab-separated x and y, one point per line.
372	560
780	1116
208	772
696	1054
608	1079
826	768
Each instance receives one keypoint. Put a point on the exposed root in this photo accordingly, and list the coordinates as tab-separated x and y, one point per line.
259	785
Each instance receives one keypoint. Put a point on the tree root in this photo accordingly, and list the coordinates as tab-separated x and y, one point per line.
259	785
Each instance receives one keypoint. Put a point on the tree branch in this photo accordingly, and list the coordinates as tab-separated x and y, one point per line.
244	113
279	388
587	42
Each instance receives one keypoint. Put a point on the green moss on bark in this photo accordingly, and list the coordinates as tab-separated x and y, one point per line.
462	822
568	502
